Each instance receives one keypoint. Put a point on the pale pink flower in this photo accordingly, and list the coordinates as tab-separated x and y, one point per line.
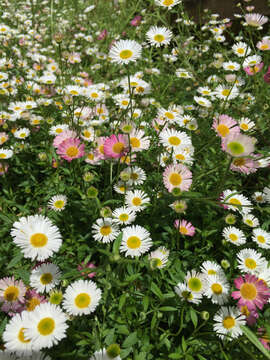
102	35
70	149
224	125
264	44
11	294
184	227
252	70
33	299
238	145
177	176
252	292
244	165
256	20
116	146
66	134
136	20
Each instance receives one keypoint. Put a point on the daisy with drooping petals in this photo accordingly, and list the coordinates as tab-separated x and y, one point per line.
217	290
14	336
11	294
262	238
6	355
107	354
252	292
184	227
250	261
124	216
224	125
136	200
45	277
167	3
70	149
57	202
125	51
227	323
105	230
256	20
158	258
37	237
116	146
200	100
183	291
81	297
177	176
158	36
45	326
234	235
136	241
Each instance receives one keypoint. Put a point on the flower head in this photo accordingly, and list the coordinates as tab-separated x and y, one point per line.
116	146
70	149
125	51
238	145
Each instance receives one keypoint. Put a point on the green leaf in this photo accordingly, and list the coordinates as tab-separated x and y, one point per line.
184	344
117	243
194	317
168	308
130	340
15	260
110	337
3	325
254	340
175	356
155	289
122	329
145	303
122	301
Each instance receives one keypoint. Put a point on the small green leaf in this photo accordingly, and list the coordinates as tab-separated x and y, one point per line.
145	303
130	340
175	356
15	260
194	317
155	289
168	308
184	344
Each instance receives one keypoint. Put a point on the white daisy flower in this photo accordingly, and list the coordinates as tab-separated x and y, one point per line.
158	36
138	141
183	73
266	194
103	355
159	257
236	202
227	323
37	237
45	326
234	235
196	282
262	238
45	277
14	335
105	230
167	3
250	261
81	297
231	66
58	129
241	49
265	276
88	134
136	200
246	124
123	216
137	175
5	153
210	268
183	291
226	92
202	101
21	133
136	241
57	202
252	60
260	197
217	290
173	139
251	220
125	51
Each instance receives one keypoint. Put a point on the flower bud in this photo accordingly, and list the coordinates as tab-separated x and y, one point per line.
92	192
105	212
204	315
230	219
113	351
225	264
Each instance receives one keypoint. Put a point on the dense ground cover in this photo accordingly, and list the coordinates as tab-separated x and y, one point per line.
134	165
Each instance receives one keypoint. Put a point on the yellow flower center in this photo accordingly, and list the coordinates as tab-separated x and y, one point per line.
233	237
180	157
216	288
72	151
59	204
159	38
136	201
195	284
174	140
250	263
223	130
240	51
264	47
175	179
105	230
261	239
135	142
133	242
124	102
94	95
183	230
21	336
3	156
234	201
82	300
228	322
169	115
248	291
231	67
239	162
125	54
46	278
38	240
58	131
225	92
32	303
11	293
74	92
211	272
168	2
244	126
87	133
123	217
46	326
118	147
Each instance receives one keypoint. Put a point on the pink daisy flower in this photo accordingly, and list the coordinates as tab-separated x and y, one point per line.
224	125
177	176
83	266
238	145
184	227
116	146
252	70
136	20
244	165
70	149
33	299
66	134
251	315
11	294
252	292
264	44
